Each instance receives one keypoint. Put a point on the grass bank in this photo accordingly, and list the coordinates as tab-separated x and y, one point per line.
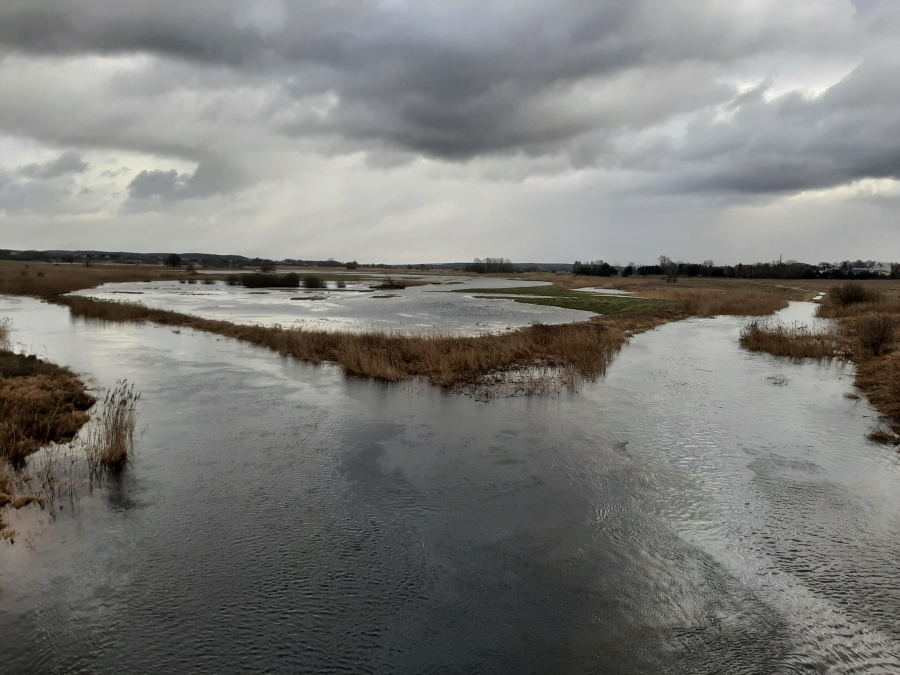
40	403
666	301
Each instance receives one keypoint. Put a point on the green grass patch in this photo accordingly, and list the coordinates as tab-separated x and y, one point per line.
553	296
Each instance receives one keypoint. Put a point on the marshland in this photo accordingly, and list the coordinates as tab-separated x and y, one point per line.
461	475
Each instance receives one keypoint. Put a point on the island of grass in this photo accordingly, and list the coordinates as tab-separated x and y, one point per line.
608	305
40	403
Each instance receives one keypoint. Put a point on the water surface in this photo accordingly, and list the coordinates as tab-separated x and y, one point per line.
429	308
700	510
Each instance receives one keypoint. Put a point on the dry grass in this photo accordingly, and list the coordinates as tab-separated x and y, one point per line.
718	302
40	403
5	334
792	340
882	306
46	280
110	440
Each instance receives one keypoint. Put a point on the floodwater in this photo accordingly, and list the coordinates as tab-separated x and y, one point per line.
700	510
416	309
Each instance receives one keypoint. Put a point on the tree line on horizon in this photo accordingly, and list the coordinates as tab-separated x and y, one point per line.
791	269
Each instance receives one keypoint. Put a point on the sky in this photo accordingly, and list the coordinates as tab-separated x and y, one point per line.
425	131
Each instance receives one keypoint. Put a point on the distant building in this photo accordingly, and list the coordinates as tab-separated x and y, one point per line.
880	270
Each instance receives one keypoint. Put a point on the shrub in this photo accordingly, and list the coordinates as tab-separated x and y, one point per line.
233	279
850	293
874	332
312	281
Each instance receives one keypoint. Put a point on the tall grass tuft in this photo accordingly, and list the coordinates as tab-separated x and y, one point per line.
5	333
873	333
109	444
790	339
851	294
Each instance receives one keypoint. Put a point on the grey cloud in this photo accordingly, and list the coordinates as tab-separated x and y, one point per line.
67	163
168	186
794	143
446	79
459	81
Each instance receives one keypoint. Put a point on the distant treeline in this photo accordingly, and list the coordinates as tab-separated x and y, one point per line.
209	259
857	269
491	265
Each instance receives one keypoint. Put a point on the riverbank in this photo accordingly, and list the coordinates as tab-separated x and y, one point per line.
863	332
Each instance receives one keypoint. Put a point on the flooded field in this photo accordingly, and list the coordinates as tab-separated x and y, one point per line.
357	307
701	509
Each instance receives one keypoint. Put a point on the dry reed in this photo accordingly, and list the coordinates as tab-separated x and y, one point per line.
109	444
5	334
718	302
791	339
40	403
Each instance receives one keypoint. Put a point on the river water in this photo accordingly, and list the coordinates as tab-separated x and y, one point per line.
700	510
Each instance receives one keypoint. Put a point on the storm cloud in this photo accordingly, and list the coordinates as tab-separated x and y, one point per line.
230	107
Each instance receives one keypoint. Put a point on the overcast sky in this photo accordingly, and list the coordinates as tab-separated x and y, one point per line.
422	130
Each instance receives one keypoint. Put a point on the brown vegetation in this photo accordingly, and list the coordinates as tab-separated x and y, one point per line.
718	302
110	441
792	340
40	403
45	280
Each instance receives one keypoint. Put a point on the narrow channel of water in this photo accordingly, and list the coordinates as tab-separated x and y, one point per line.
700	510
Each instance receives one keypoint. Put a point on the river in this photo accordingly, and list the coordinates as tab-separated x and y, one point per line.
699	510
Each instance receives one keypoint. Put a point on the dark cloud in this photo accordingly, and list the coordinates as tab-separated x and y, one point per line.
168	186
67	163
446	79
368	115
793	142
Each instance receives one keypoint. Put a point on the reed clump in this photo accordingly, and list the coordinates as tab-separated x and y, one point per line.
109	444
40	403
5	334
794	340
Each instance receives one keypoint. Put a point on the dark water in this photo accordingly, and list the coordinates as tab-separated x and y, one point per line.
701	510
